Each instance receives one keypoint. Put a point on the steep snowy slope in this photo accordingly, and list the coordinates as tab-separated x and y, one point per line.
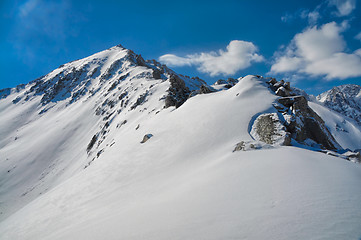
75	162
46	126
346	132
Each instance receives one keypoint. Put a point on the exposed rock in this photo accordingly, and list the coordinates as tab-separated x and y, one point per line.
239	146
345	99
220	81
157	74
268	129
272	81
178	92
250	145
91	143
140	61
303	123
282	92
204	90
141	99
146	137
5	92
287	86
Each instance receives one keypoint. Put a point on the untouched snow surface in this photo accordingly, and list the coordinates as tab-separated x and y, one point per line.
284	193
183	183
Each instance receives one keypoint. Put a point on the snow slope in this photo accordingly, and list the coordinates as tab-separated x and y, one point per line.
45	127
346	131
185	182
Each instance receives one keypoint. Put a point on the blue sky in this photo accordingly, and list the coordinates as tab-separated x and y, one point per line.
313	44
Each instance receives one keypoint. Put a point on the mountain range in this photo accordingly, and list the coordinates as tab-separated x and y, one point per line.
113	146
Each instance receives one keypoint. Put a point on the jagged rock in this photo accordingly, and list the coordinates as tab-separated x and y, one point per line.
140	61
91	143
279	84
157	74
220	81
5	92
232	80
178	92
282	92
345	99
272	81
141	99
239	146
204	90
146	137
305	124
287	86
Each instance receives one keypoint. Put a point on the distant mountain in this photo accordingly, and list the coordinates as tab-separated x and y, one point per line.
113	146
345	99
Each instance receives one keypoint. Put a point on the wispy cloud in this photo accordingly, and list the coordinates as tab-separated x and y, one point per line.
358	36
311	16
338	8
319	51
238	55
42	26
27	7
344	7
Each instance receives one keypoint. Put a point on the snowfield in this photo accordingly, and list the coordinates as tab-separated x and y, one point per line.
185	182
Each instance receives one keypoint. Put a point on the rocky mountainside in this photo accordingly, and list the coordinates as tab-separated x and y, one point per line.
345	99
114	146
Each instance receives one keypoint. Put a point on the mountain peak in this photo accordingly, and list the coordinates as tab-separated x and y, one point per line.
344	99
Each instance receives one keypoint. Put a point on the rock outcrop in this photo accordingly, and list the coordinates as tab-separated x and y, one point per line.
146	137
294	120
269	129
304	125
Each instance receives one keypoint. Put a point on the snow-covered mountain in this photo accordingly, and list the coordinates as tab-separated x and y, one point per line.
345	99
115	147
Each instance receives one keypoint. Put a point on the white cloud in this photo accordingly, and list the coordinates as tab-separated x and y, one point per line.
313	17
319	52
344	7
238	55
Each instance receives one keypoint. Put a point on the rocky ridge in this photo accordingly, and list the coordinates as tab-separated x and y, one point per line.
344	99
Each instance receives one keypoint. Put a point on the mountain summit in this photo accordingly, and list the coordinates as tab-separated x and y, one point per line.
345	99
113	146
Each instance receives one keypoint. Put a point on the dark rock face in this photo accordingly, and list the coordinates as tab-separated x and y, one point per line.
91	143
230	82
141	99
178	92
305	124
284	89
204	90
